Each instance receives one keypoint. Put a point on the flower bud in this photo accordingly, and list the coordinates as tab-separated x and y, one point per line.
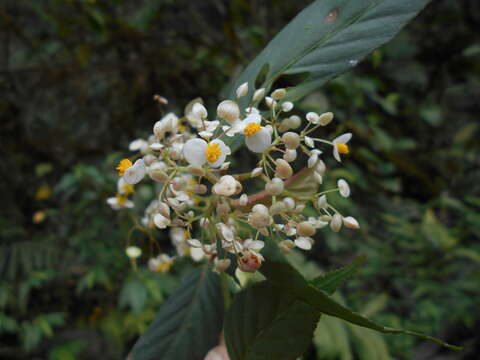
294	121
325	118
199	111
156	173
289	203
283	169
179	183
243	201
277	208
318	178
164	209
242	90
325	218
286	246
228	110
260	208
275	187
290	155
313	117
161	221
343	188
291	140
196	170
287	106
259	94
259	220
321	167
304	242
283	126
322	202
336	223
221	264
279	94
270	102
256	172
133	252
149	159
305	229
226	186
351	223
312	160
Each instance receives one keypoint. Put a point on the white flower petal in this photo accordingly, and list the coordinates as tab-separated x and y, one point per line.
161	221
194	151
342	139
343	187
224	151
304	243
259	142
309	141
194	243
197	254
135	173
336	154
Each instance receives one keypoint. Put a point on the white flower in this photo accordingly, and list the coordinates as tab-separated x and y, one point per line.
256	172
197	254
322	202
138	144
343	188
340	145
162	263
257	138
134	174
229	111
120	202
304	242
226	186
198	152
243	201
161	221
133	252
242	90
317	223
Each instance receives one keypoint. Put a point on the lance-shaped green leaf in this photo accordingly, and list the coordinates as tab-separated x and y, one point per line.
330	281
266	322
188	324
326	39
285	276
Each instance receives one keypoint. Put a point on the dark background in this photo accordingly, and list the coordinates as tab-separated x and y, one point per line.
77	80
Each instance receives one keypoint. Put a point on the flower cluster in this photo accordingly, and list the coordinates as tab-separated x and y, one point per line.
198	194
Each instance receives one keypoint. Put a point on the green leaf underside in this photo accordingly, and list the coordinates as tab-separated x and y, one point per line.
326	39
330	281
266	322
188	324
286	277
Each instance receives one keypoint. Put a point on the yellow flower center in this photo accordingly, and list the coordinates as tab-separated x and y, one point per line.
128	189
123	165
213	152
164	267
251	129
342	148
121	199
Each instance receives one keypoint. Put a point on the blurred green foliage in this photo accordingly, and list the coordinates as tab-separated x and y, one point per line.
77	81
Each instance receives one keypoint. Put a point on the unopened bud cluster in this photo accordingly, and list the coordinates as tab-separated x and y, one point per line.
205	203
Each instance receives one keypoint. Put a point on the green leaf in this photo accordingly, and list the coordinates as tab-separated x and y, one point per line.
326	39
284	275
266	322
188	324
330	281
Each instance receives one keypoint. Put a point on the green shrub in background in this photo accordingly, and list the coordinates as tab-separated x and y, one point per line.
77	82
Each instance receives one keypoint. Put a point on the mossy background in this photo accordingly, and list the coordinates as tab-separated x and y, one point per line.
77	80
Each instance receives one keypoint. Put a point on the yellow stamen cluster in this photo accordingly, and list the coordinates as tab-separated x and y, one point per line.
213	152
123	165
252	129
164	267
342	148
128	189
121	199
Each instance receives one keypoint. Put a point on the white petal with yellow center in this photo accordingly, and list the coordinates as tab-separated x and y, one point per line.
260	141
